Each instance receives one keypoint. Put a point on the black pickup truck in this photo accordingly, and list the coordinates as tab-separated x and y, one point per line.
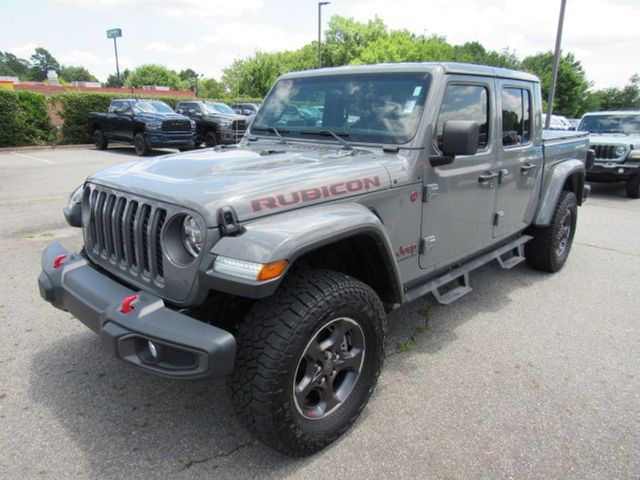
216	122
144	123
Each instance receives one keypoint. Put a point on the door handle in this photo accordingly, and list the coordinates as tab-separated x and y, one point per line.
488	177
527	167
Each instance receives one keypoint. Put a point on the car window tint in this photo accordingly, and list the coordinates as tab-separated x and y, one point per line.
516	116
465	102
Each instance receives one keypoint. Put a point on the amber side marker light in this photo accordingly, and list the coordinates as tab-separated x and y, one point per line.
272	270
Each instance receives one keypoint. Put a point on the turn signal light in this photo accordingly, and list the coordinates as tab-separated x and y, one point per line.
272	270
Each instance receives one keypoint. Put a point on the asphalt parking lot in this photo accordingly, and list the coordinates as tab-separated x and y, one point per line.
529	376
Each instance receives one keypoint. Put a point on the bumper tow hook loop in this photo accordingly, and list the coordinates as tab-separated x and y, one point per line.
57	261
127	303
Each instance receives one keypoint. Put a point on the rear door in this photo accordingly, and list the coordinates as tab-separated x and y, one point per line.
520	158
459	198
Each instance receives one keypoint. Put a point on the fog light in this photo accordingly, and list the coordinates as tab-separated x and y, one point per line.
621	170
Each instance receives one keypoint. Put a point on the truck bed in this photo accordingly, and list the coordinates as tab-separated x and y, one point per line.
563	145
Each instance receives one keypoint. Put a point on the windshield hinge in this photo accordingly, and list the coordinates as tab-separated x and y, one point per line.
228	222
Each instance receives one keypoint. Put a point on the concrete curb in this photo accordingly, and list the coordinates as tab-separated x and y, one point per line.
33	148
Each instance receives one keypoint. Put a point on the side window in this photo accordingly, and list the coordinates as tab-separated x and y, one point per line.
115	105
516	116
180	108
465	102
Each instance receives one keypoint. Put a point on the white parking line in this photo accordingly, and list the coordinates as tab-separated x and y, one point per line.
32	158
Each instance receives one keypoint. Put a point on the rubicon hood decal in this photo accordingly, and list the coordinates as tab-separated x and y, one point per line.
314	194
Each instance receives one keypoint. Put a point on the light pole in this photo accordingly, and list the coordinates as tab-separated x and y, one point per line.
115	33
320	5
556	63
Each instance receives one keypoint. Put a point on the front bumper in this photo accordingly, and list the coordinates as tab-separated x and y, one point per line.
188	348
612	171
228	137
166	139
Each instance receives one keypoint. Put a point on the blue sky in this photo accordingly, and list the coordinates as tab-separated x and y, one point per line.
207	35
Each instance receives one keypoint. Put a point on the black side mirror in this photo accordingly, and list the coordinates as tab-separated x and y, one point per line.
459	137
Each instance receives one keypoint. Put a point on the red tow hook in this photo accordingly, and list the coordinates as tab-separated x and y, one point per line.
127	303
57	261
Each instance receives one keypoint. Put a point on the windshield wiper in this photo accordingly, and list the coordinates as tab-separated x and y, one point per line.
274	130
337	135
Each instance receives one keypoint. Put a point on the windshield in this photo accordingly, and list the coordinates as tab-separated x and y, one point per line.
152	107
369	108
218	108
611	123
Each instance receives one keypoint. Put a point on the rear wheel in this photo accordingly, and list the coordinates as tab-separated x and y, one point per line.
308	359
99	140
140	145
210	139
632	186
550	246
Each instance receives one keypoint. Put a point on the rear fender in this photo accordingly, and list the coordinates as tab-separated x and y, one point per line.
573	170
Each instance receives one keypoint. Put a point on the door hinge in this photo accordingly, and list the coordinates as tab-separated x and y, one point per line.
427	243
429	191
496	217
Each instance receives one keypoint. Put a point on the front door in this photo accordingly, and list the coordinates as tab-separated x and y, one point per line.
520	159
459	198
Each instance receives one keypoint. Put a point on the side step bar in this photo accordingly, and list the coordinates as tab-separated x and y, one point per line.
508	256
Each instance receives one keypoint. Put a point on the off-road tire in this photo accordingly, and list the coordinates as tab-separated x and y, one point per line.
271	341
210	139
140	145
543	252
99	140
632	186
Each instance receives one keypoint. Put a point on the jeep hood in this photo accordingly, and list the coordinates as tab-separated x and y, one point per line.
254	181
615	139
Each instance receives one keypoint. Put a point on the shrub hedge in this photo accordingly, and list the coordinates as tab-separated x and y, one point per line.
25	116
24	119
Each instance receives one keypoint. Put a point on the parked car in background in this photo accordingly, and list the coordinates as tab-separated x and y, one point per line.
248	109
216	123
574	122
276	262
615	137
558	122
145	124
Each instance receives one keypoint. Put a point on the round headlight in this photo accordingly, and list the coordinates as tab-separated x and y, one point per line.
192	236
76	197
620	150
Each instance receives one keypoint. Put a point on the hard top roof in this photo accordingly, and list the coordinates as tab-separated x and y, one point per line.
427	67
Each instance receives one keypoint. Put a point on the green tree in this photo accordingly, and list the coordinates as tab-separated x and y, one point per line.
113	81
154	75
253	77
41	62
625	98
12	66
572	84
346	39
76	74
211	88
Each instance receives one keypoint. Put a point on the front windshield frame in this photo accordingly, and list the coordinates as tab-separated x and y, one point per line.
617	127
399	109
216	107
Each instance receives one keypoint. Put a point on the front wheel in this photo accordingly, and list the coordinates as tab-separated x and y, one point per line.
308	359
140	145
99	140
632	186
210	139
550	246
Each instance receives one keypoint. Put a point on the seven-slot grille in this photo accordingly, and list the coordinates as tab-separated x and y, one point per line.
176	126
126	232
240	125
605	152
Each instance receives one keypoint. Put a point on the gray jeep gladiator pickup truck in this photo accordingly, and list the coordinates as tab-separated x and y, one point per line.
274	262
615	138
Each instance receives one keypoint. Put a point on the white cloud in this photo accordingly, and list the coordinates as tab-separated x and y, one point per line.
166	48
24	51
176	8
603	33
